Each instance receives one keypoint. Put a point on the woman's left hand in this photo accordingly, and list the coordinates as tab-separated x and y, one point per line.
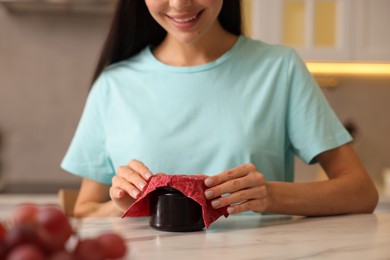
243	189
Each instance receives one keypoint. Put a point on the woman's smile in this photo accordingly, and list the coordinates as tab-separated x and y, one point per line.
185	21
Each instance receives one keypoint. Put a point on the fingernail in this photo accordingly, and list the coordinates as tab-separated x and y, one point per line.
209	193
142	185
148	175
208	182
134	193
118	194
216	203
230	210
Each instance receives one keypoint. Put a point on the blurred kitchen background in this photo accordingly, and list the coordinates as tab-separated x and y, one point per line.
48	51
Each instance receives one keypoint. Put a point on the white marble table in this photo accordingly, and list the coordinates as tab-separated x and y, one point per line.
255	237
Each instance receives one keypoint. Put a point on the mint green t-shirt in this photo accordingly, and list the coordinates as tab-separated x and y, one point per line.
255	104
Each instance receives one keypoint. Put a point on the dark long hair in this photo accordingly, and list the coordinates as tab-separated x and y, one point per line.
133	28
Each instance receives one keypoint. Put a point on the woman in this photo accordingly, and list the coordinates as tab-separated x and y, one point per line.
180	90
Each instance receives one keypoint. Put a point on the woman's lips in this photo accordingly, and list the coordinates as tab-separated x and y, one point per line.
185	21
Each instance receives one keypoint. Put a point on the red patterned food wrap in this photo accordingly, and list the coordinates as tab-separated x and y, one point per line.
190	185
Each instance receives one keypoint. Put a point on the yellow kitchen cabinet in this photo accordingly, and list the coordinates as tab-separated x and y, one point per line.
326	30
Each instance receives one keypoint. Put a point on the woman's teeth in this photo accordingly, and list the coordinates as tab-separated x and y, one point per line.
184	20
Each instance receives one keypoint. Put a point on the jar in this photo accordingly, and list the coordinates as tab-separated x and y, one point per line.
172	211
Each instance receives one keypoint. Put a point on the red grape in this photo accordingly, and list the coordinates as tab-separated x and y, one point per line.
21	234
62	255
89	249
3	232
113	245
55	228
25	214
45	232
3	251
26	252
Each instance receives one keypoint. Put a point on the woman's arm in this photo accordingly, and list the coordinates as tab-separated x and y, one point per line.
94	201
348	190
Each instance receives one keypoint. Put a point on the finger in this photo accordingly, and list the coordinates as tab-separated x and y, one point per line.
116	193
131	176
141	168
240	196
252	179
123	184
257	205
123	202
230	174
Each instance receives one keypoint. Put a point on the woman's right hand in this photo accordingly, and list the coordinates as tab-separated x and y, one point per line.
128	183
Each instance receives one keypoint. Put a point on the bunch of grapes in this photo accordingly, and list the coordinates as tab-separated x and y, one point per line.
44	232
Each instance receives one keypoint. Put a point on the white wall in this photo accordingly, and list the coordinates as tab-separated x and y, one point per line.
46	64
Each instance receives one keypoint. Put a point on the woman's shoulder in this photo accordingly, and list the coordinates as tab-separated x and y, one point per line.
137	61
117	76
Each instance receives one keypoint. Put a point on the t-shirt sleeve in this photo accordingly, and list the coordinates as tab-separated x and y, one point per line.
312	125
87	155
